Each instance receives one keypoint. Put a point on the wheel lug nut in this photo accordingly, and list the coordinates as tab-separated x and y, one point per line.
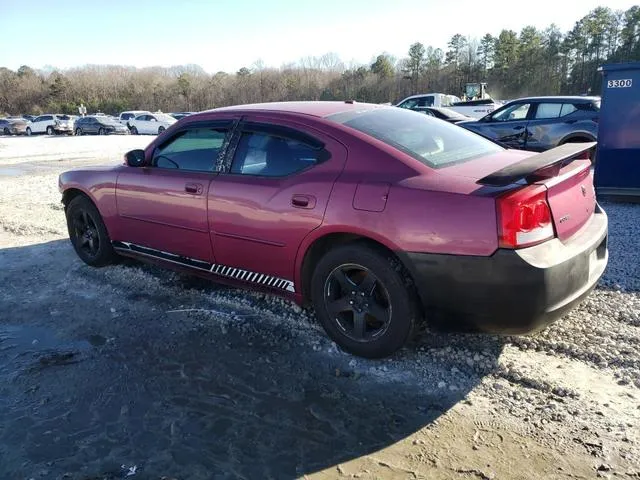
351	302
353	293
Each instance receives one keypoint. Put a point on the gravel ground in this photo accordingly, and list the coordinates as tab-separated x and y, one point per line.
134	370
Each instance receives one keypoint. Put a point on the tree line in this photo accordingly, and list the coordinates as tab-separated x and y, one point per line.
514	64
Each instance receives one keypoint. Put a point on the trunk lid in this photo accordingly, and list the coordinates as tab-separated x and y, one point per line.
567	176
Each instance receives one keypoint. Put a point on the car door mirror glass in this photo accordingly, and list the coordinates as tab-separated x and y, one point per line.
135	158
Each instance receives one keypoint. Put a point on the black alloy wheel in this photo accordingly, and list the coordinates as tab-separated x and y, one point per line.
358	302
88	233
364	299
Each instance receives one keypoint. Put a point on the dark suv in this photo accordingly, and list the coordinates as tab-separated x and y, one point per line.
541	123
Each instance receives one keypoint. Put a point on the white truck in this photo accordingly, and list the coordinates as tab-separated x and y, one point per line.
476	102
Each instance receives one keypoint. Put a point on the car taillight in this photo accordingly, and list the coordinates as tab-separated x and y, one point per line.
524	217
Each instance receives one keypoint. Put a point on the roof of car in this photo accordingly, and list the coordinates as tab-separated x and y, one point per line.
316	109
559	98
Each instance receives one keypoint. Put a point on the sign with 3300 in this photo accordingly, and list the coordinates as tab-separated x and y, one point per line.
625	83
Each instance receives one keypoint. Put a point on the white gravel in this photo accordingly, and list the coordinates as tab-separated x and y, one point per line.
575	384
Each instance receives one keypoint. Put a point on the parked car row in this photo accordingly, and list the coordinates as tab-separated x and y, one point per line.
534	123
134	122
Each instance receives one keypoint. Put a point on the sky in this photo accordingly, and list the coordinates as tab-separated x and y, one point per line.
225	35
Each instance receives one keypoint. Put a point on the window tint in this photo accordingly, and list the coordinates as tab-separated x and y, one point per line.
568	109
426	102
273	156
517	111
196	149
126	116
38	119
431	141
142	117
548	110
409	103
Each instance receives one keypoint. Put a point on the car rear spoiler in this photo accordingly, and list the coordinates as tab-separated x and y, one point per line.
537	167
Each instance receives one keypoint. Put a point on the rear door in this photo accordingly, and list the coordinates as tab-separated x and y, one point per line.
90	125
163	205
508	125
546	126
273	194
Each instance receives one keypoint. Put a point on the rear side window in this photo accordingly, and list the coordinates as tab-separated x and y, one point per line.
548	110
195	150
267	155
426	102
431	141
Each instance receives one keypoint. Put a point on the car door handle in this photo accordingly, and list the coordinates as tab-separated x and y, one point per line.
194	188
303	201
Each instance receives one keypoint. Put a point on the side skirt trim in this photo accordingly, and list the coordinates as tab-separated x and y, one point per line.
213	268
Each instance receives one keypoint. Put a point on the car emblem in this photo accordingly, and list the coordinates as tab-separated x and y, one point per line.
584	190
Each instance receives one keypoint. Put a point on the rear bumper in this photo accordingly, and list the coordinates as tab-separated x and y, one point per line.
514	291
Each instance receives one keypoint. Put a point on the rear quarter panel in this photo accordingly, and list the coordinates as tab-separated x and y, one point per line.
425	210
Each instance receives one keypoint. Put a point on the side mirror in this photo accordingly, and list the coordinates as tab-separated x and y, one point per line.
134	158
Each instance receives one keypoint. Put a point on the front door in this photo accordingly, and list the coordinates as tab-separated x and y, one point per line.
40	124
163	205
509	125
274	193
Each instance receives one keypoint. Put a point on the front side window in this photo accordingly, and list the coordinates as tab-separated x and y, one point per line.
431	141
196	150
269	155
412	103
518	111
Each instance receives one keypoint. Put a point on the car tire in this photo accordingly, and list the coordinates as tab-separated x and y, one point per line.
29	132
88	233
78	132
6	131
160	130
364	300
134	131
50	131
101	131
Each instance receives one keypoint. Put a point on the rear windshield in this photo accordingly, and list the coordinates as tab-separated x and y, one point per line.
431	141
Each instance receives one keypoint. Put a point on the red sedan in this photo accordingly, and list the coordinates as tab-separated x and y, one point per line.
377	216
